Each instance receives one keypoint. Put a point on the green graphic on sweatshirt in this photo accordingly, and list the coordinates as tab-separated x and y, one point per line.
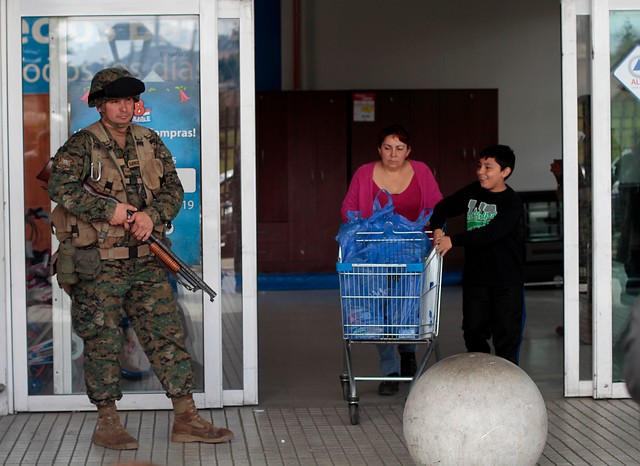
479	216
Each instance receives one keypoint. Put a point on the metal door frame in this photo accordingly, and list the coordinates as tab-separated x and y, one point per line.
601	385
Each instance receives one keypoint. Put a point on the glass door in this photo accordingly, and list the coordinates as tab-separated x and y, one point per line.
601	92
194	106
624	82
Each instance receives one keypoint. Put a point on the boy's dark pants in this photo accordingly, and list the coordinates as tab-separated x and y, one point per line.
493	312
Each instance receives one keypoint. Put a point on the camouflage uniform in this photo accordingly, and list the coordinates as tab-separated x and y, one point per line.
138	286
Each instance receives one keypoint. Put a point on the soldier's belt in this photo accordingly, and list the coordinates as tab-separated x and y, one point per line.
125	253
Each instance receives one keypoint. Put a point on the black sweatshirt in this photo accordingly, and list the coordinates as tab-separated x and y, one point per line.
492	241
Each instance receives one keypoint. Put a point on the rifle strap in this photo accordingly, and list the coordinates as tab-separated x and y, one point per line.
125	253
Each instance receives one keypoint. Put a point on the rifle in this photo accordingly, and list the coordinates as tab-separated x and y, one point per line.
185	275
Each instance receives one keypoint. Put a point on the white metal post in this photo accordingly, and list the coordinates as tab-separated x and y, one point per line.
210	170
6	378
249	219
601	206
571	237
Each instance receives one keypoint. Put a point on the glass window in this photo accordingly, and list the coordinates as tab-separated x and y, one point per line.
584	195
625	175
164	53
230	201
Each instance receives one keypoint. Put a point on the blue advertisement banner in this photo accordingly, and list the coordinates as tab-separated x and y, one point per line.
171	109
35	55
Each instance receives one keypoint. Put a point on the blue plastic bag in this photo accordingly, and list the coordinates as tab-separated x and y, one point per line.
410	308
384	226
363	303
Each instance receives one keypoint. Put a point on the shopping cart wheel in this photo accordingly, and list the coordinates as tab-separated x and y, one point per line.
346	390
354	413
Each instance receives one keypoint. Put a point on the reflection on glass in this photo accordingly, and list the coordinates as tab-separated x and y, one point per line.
584	196
230	201
625	179
35	100
164	53
38	245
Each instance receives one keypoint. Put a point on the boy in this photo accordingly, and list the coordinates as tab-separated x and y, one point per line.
493	276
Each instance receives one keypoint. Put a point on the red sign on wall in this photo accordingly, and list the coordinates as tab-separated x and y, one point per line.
364	106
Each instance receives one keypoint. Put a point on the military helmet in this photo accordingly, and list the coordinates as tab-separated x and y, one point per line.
114	83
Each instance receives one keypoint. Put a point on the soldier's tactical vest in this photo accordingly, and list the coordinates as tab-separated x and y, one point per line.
110	175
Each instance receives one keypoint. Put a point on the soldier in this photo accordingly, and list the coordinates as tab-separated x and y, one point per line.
105	266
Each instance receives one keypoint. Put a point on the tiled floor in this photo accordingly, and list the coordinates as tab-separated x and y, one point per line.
581	432
302	418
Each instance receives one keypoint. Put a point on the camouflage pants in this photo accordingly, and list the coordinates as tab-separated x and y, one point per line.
139	288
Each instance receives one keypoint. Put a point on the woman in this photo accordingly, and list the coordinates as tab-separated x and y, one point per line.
413	188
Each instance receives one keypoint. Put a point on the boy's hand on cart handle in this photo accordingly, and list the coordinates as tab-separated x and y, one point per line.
438	233
443	244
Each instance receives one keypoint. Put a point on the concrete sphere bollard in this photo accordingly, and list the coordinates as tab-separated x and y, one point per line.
475	409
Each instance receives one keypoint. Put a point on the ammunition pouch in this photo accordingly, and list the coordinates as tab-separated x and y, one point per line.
65	267
73	264
88	263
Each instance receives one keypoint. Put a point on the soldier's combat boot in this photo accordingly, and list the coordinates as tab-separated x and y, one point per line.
110	433
188	426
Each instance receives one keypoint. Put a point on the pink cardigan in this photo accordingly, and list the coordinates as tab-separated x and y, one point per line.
362	189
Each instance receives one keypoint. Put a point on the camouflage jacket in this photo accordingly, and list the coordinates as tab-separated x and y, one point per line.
72	166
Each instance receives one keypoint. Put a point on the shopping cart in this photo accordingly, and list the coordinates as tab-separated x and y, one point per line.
387	300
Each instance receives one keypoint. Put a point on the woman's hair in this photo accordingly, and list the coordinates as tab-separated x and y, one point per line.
395	130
